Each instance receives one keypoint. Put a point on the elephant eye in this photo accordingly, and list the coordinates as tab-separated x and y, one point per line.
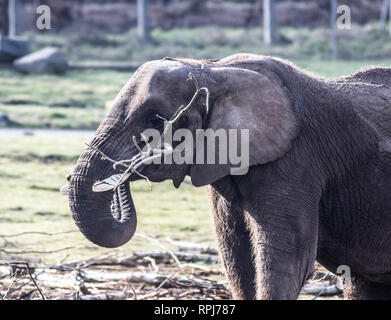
183	122
153	121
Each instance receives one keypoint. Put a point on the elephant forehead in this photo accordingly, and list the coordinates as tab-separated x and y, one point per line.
159	79
158	72
154	79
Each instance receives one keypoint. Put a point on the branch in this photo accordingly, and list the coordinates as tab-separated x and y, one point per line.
193	247
17	265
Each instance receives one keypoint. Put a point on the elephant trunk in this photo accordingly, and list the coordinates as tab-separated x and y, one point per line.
108	219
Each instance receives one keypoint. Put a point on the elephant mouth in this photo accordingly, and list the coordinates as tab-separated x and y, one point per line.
111	183
134	165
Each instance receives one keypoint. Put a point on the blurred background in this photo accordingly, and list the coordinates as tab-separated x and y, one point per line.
63	62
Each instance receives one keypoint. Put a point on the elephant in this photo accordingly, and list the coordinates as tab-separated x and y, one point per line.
317	184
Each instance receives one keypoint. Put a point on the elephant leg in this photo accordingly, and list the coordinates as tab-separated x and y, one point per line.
282	213
234	245
284	260
363	289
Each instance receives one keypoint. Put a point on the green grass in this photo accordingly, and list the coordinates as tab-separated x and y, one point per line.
76	100
360	42
31	116
335	69
32	169
88	89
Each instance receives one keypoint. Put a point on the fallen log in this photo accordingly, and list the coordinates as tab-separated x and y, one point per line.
134	260
129	261
106	296
5	272
144	277
53	280
154	294
324	288
183	256
193	247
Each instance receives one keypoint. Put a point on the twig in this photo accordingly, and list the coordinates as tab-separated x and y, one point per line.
166	280
9	288
136	144
30	275
134	291
104	157
153	264
173	255
144	177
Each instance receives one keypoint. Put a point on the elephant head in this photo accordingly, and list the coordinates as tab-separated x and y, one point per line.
239	98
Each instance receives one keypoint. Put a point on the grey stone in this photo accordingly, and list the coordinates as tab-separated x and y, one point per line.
12	48
47	60
4	118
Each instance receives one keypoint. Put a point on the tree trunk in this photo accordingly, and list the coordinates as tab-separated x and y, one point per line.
269	23
12	17
384	13
143	21
4	17
390	18
333	22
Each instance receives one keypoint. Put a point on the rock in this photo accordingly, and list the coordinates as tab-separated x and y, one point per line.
28	133
47	60
12	48
4	118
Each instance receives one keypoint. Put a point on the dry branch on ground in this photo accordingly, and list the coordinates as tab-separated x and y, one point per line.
191	272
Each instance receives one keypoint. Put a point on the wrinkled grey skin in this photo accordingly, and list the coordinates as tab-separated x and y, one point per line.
318	186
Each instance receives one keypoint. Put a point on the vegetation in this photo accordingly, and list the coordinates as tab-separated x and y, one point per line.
361	42
75	100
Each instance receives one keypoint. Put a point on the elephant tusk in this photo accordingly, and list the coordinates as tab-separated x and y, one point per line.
64	190
110	183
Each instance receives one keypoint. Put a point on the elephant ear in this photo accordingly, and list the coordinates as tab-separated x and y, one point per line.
244	99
